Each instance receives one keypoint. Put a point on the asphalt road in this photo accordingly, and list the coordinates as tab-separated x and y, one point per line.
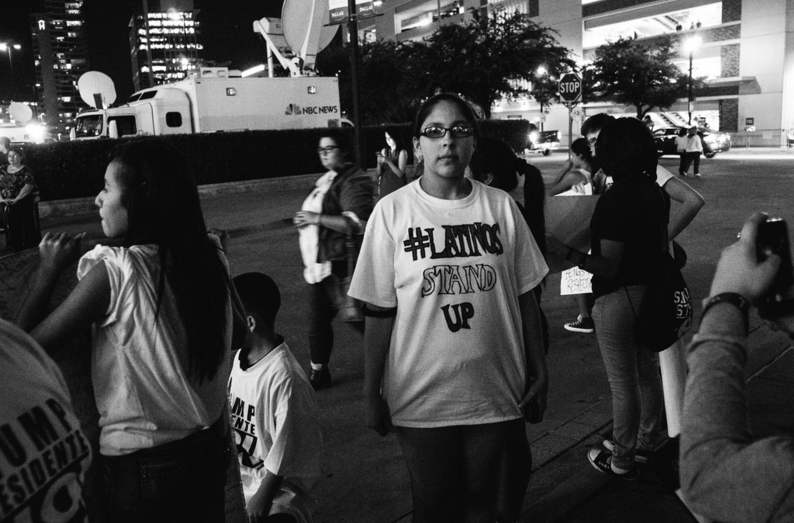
365	479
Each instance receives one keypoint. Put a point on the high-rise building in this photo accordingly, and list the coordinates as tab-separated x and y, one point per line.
745	52
59	48
163	41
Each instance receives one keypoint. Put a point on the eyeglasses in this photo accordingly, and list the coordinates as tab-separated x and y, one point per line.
326	150
458	131
592	141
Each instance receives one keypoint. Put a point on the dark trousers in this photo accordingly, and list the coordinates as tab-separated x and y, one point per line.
22	224
322	310
689	159
455	470
682	165
180	481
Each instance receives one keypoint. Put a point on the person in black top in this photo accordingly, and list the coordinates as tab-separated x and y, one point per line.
628	230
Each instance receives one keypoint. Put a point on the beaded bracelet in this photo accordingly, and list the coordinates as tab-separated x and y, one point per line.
734	299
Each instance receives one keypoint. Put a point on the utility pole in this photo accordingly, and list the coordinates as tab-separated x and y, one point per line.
352	31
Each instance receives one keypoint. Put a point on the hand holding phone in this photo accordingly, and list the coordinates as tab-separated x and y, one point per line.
773	238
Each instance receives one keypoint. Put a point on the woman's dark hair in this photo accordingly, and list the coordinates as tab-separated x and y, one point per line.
495	157
343	141
162	203
428	105
398	141
534	201
581	147
19	151
625	147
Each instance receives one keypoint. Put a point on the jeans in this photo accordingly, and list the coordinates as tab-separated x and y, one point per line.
322	309
180	481
455	470
633	373
690	158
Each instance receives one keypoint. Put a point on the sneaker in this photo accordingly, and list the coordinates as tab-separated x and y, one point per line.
640	456
320	379
601	460
682	173
581	324
697	175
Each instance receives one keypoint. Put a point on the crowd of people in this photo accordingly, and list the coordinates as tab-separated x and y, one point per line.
447	269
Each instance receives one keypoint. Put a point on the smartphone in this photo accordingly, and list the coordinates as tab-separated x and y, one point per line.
773	238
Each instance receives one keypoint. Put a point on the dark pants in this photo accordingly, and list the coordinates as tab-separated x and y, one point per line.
689	159
322	310
22	224
682	165
180	481
455	470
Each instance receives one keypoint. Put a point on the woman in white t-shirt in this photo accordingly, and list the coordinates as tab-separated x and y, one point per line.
454	350
162	314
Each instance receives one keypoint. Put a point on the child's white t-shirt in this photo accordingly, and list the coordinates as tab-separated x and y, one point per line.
276	428
454	269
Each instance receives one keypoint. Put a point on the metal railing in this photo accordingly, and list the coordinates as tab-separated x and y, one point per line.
763	138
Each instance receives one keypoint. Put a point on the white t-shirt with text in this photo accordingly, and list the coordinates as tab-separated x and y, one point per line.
454	269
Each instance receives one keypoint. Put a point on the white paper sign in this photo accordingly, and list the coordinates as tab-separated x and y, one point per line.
575	281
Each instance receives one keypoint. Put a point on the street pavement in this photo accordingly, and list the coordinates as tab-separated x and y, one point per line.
365	478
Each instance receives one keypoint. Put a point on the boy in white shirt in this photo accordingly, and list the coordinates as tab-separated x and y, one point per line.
274	414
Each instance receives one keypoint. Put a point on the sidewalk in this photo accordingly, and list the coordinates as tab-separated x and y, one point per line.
367	481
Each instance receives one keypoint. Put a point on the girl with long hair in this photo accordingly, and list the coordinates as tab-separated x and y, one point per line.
161	309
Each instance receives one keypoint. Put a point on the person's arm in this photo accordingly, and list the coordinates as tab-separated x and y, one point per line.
25	191
402	161
258	507
725	474
537	372
607	264
87	303
563	180
691	202
377	340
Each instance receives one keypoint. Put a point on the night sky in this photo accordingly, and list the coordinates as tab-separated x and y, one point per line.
226	32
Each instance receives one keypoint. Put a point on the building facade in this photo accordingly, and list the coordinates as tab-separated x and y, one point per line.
164	42
60	55
745	54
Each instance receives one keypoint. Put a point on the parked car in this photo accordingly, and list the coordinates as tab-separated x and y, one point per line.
542	141
713	141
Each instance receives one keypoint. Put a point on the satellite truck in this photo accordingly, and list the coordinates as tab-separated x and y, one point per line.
214	99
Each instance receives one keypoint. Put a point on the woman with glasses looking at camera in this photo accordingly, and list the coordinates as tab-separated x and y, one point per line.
453	345
339	204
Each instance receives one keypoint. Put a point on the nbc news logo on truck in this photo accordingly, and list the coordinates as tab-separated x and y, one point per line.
295	109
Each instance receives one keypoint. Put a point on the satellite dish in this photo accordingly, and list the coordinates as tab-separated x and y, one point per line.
96	89
20	112
296	24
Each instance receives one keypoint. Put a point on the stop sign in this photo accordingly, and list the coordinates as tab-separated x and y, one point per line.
570	87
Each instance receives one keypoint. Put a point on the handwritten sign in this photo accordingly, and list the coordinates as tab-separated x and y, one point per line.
575	281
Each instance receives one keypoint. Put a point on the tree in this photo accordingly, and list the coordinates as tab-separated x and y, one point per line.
639	74
491	57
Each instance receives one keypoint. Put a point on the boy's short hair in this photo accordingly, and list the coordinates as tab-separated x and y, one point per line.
259	294
595	123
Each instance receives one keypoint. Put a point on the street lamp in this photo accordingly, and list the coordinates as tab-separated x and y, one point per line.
6	46
541	71
689	46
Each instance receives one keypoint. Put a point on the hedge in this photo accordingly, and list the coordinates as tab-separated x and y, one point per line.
76	169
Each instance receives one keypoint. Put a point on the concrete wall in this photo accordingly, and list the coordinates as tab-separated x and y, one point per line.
763	50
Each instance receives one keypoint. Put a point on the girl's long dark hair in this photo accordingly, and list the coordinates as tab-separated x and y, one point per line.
581	147
163	206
